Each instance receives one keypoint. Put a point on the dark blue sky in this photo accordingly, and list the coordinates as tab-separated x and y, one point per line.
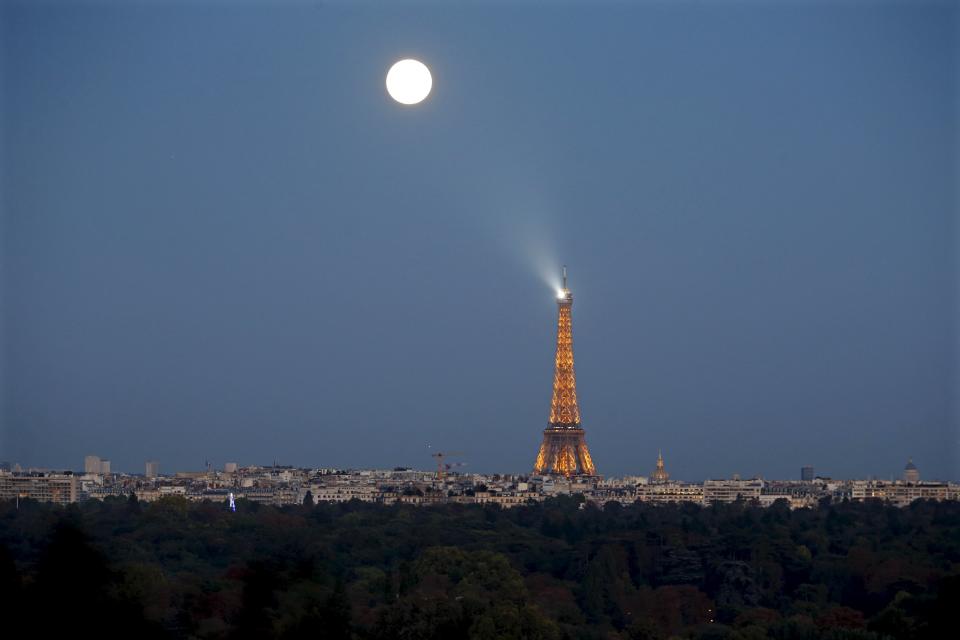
223	240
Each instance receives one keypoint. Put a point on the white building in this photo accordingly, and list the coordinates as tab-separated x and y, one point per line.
670	492
901	493
731	490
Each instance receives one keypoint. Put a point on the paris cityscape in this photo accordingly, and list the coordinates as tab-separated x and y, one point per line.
563	466
512	320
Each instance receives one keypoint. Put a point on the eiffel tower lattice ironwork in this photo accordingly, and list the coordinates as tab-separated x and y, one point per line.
564	449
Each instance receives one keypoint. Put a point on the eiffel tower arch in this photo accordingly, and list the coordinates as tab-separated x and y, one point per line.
564	449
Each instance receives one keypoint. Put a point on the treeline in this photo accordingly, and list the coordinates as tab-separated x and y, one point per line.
556	570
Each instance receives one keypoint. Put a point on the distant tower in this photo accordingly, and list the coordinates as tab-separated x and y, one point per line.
806	474
152	469
564	449
91	464
910	472
660	474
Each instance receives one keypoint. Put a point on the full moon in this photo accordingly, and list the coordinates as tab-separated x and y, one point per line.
409	81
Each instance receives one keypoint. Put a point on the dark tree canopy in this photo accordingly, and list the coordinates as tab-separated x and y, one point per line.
561	569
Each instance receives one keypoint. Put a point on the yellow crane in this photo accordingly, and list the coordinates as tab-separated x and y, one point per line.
443	467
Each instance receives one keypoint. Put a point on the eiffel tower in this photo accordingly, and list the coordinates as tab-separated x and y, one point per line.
564	449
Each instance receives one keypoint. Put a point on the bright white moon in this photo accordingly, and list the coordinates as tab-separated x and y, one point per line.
409	81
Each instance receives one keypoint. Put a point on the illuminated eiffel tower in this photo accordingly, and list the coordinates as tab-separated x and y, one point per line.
564	449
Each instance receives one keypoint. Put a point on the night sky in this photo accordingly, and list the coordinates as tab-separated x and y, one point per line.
223	240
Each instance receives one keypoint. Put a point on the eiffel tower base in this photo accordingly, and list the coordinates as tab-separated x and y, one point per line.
564	452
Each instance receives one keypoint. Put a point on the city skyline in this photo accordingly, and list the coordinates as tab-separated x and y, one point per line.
289	485
95	465
224	240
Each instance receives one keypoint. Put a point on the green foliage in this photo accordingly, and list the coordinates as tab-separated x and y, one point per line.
550	571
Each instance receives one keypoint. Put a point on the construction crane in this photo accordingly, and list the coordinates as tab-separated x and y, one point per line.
443	467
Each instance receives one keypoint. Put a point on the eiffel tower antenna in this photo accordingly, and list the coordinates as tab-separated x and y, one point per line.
564	448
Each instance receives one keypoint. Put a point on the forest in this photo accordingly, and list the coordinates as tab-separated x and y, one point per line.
561	569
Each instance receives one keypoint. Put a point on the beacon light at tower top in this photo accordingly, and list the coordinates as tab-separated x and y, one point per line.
563	291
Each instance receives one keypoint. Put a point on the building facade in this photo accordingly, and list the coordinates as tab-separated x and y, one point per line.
731	490
91	464
45	487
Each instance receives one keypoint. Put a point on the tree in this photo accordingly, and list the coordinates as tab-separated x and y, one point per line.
254	620
10	583
176	568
